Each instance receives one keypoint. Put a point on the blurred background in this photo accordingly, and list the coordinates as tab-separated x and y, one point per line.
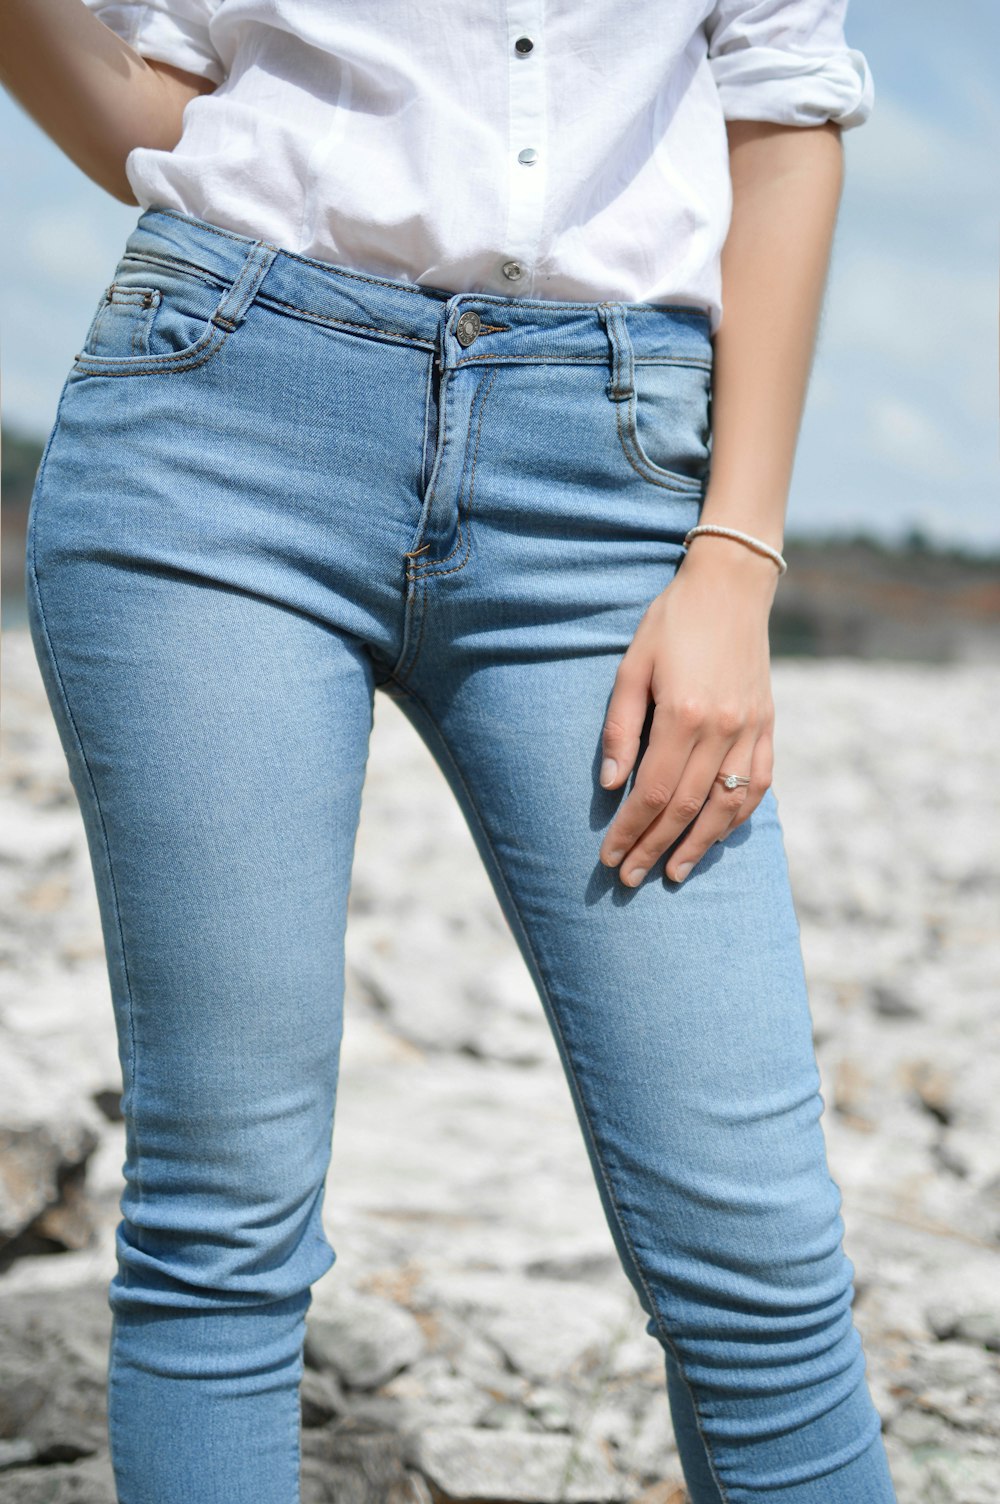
478	1338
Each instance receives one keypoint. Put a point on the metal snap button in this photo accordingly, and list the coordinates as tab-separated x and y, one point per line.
513	270
523	45
528	156
468	327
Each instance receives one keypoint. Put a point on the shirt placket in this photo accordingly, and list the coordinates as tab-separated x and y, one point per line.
527	147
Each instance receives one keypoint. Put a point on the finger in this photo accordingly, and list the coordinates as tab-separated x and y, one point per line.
684	807
669	747
761	774
624	720
716	818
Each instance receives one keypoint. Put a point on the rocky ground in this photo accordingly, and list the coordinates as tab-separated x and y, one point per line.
477	1339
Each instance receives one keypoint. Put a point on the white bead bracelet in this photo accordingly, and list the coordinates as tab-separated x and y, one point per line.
731	532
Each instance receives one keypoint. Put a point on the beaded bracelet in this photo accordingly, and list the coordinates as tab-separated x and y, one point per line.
732	532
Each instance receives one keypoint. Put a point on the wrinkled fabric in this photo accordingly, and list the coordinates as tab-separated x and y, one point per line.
386	138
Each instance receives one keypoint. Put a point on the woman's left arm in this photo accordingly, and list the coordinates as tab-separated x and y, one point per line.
701	651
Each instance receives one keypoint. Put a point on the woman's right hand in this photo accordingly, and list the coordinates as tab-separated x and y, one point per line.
91	92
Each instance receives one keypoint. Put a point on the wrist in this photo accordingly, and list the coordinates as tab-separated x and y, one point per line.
722	558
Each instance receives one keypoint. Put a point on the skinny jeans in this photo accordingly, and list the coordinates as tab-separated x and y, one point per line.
275	486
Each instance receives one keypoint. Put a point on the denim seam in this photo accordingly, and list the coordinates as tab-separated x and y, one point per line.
269	299
633	454
100	814
407	654
326	266
566	360
416	607
428	385
465	507
182	264
250	267
420	290
420	575
205	347
583	303
415	572
515	910
208	345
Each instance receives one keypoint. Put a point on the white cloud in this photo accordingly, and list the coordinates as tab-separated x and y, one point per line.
913	440
63	244
904	154
914	306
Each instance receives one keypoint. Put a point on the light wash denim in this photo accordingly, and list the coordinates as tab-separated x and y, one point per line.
273	486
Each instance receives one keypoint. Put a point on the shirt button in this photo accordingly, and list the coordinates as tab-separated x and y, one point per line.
528	156
512	270
523	45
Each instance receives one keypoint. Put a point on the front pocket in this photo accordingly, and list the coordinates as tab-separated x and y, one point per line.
154	317
664	425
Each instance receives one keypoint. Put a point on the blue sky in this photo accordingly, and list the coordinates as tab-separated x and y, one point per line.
901	420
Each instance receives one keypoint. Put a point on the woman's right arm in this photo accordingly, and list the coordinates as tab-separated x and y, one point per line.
88	89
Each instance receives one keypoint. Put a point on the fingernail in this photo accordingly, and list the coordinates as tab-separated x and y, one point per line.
613	858
635	877
609	771
682	871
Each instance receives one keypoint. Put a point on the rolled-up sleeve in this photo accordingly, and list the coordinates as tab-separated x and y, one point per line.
788	61
167	31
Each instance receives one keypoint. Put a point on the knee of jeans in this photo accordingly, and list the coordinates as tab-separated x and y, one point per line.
251	1240
772	1325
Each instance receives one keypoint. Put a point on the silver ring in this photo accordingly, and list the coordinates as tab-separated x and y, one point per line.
733	780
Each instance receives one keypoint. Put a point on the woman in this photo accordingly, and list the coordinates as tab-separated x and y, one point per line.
413	375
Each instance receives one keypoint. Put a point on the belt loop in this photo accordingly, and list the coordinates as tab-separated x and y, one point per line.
620	384
237	298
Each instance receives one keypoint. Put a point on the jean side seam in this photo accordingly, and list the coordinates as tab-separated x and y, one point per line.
33	575
599	1158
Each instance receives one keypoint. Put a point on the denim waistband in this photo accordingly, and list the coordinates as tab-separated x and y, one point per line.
463	328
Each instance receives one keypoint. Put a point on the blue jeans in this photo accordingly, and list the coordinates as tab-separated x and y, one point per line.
274	486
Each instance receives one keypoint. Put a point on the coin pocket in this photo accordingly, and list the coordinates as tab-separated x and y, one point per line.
120	328
155	317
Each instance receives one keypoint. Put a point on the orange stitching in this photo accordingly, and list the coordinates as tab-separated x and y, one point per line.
682	490
563	360
407	655
252	264
165	364
408	663
467	507
432	564
333	322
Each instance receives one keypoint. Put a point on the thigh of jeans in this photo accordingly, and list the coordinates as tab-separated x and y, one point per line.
681	1012
198	649
203	573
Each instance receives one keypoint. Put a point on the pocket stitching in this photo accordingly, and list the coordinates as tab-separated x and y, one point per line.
210	343
142	362
670	480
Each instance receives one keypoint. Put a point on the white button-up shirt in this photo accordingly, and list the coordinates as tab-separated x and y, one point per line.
545	148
